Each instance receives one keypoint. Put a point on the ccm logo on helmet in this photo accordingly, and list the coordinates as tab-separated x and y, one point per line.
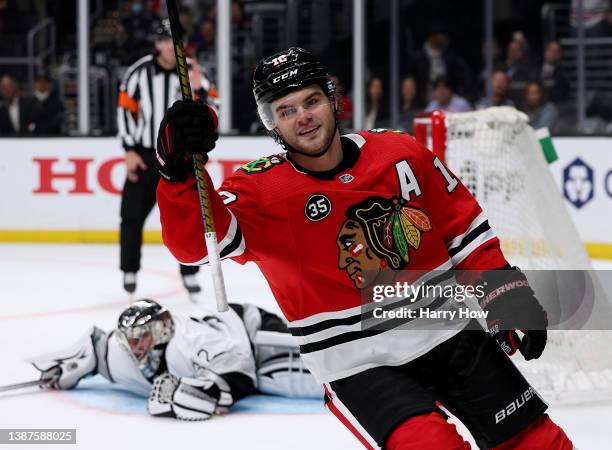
285	76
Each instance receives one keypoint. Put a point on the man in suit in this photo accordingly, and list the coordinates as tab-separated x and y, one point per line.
17	114
49	107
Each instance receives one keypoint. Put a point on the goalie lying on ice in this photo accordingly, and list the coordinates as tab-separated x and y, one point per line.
189	365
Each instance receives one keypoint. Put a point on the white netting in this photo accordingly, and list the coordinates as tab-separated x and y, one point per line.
498	157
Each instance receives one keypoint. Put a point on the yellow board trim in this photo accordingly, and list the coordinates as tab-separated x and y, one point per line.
72	236
597	250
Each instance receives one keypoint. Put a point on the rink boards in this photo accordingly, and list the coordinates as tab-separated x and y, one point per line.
68	189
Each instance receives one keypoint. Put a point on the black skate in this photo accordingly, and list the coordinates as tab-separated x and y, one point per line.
129	282
193	287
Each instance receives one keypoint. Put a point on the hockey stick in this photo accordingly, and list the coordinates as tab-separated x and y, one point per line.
210	232
25	384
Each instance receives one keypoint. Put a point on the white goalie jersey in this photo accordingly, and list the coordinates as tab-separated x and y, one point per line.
203	340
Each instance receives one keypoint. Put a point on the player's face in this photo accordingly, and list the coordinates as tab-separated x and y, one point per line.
305	119
142	345
355	256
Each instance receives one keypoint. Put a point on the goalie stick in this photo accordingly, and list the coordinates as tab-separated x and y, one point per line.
25	384
210	233
46	381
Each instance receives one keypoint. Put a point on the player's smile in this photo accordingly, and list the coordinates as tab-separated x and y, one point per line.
310	132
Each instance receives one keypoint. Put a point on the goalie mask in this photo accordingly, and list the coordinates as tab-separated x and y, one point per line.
145	328
285	72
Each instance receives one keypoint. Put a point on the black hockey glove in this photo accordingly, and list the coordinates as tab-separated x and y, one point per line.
188	127
511	306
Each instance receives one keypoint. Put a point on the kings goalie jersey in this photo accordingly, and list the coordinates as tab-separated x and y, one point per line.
312	237
203	340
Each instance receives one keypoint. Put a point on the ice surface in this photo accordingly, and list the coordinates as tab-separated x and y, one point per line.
49	294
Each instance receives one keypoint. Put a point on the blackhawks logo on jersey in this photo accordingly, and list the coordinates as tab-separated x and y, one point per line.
377	235
261	164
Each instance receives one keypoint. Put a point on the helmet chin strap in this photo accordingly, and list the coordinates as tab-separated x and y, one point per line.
291	149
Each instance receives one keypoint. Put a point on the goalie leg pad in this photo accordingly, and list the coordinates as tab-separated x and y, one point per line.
280	370
284	374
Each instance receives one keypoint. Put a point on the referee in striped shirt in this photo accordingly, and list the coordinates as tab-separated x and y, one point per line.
149	87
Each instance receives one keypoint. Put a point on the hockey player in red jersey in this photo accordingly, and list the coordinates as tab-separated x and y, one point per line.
332	216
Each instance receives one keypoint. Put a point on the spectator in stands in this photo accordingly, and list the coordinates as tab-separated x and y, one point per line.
188	19
541	112
238	18
408	107
596	21
13	27
204	45
376	108
17	114
518	69
497	62
204	41
554	79
445	99
436	59
499	92
139	25
49	108
520	38
243	46
345	104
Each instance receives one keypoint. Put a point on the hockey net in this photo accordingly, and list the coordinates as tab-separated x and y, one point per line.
498	157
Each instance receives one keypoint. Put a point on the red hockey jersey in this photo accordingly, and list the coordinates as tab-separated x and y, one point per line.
318	238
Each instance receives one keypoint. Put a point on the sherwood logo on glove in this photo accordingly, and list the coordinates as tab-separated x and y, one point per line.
515	405
507	287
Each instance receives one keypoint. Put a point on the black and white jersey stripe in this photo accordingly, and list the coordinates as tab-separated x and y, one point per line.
339	344
477	234
146	92
232	244
358	325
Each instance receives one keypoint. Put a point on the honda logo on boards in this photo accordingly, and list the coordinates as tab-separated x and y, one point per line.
72	175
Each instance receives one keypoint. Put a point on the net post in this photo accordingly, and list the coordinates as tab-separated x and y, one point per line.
420	129
438	134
